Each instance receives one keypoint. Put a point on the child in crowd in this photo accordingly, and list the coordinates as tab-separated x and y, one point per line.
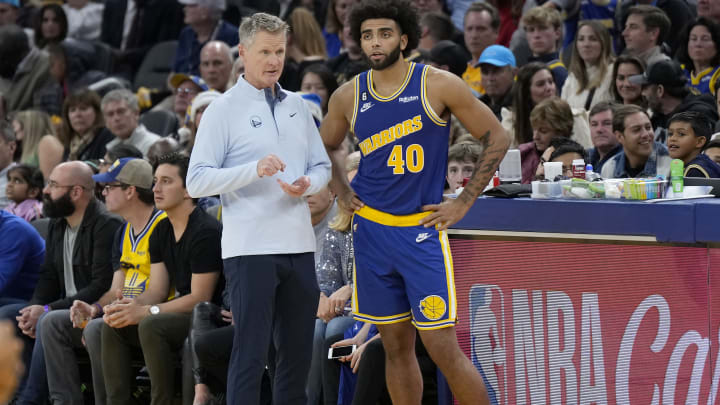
24	189
462	159
688	133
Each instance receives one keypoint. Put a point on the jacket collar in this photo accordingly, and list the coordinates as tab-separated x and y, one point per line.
650	168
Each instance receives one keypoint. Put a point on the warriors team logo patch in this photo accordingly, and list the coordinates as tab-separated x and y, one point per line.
255	121
433	307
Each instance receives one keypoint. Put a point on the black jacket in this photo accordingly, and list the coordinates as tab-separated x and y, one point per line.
92	264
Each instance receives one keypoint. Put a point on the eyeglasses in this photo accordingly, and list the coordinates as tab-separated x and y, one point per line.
109	187
186	91
54	184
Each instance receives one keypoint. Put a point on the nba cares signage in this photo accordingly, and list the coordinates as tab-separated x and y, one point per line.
570	323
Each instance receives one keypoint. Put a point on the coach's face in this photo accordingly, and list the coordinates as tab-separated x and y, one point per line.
264	58
382	42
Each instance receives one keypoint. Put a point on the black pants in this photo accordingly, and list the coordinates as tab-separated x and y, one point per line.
273	298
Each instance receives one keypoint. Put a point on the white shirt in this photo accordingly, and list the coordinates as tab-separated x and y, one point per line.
127	23
602	93
141	138
84	23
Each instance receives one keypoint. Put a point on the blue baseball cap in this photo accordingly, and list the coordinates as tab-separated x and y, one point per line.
131	171
497	55
14	3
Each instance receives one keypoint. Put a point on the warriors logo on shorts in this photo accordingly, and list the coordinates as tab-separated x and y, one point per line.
433	307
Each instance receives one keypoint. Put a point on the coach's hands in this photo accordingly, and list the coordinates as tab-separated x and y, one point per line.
445	214
269	165
297	188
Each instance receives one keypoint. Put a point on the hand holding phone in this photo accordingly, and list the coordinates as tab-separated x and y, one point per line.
341	351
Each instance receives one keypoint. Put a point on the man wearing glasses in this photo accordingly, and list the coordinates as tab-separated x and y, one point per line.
122	117
128	193
77	264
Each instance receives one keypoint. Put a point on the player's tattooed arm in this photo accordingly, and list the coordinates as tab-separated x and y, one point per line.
488	162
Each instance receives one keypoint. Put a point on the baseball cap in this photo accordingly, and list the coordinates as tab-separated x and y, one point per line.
14	3
665	72
451	54
497	55
132	171
178	78
216	4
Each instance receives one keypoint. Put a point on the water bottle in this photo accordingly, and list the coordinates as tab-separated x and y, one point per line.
677	167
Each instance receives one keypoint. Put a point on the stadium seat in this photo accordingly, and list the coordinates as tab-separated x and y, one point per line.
156	66
161	122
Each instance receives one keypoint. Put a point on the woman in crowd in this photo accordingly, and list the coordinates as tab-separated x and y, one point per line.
305	46
699	54
24	190
337	11
197	108
51	25
622	90
318	79
590	67
550	119
37	144
84	135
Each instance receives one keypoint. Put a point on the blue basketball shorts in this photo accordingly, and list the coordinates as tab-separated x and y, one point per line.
403	271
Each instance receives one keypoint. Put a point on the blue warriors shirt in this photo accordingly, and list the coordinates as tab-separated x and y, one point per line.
403	143
703	82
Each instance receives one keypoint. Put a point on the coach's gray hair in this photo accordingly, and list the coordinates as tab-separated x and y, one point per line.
121	95
260	22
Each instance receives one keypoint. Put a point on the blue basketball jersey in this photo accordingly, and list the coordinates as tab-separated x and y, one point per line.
703	82
403	142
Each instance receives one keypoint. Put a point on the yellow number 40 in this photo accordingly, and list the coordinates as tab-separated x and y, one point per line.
414	159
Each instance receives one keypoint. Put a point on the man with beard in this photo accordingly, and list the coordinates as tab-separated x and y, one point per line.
77	264
403	280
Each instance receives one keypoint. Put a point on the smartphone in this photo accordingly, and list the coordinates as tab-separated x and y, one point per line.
341	351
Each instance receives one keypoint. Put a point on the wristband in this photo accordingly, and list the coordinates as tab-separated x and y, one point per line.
99	308
46	308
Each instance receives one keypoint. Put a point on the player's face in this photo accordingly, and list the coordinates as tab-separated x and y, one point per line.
381	42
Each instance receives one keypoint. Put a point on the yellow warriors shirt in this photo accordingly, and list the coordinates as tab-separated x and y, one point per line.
473	78
135	258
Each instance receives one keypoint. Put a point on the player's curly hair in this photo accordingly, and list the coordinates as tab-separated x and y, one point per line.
403	12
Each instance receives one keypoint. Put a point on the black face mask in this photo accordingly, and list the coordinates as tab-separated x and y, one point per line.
59	208
389	60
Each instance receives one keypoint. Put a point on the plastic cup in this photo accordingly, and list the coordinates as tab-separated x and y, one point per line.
552	170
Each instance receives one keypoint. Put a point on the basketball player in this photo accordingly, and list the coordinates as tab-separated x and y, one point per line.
400	113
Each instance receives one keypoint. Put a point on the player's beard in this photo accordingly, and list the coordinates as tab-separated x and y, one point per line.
391	58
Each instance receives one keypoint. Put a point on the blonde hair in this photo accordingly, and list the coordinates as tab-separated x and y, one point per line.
306	33
35	125
543	16
577	65
343	218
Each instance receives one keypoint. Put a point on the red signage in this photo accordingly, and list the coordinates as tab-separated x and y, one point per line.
579	323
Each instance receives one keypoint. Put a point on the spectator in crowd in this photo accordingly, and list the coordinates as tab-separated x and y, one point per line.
23	70
543	27
605	143
36	141
185	257
24	191
622	90
83	134
7	151
462	159
678	14
117	152
238	68
550	119
641	156
10	362
699	54
449	56
481	25
122	117
318	79
50	26
350	61
9	11
545	157
688	133
665	88
337	12
305	47
565	153
430	6
185	88
590	67
216	63
645	30
435	27
163	146
204	24
21	255
77	264
199	104
270	306
127	190
709	9
498	67
84	19
712	150
132	27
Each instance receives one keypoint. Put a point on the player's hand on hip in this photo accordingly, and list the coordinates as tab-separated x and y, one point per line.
349	201
297	188
444	215
269	165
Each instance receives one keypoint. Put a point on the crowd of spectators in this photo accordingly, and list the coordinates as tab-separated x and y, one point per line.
98	120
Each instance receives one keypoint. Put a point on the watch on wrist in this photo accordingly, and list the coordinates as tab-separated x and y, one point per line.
154	310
